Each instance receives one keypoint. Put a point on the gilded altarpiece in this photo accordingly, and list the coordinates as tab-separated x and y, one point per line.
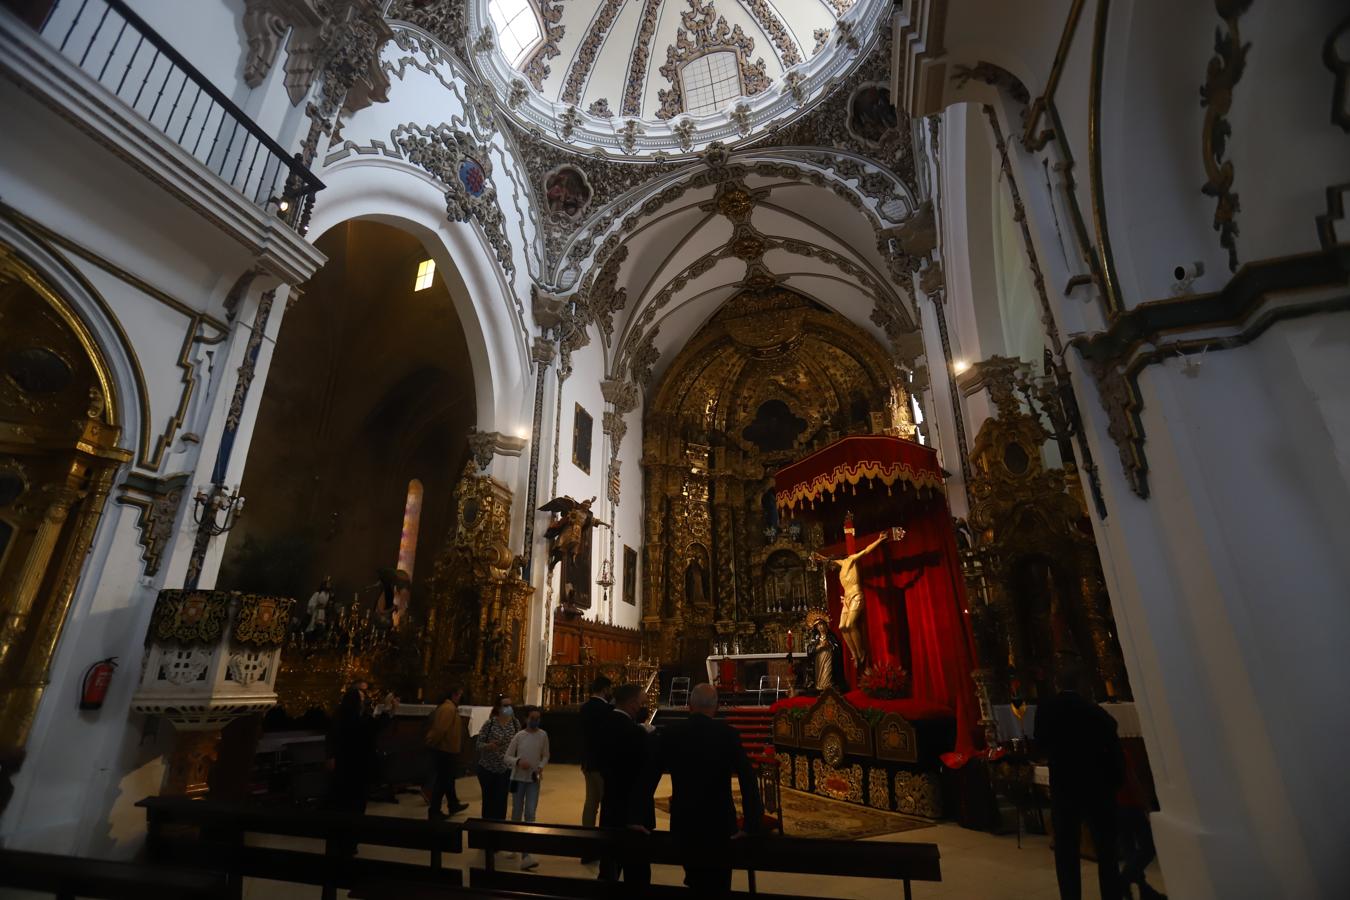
1032	570
60	423
770	378
477	623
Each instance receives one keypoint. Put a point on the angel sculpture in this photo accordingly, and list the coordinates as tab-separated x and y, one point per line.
569	536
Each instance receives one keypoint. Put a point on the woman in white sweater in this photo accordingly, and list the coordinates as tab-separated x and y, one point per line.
527	755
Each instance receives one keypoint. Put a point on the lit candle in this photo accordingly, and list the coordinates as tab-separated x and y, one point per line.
789	640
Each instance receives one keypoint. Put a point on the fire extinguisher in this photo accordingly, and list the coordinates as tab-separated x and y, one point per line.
95	687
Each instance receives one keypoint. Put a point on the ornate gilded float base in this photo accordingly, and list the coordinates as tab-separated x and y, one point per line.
918	794
878	791
844	783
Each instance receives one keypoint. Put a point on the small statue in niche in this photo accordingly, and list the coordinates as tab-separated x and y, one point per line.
825	653
317	608
695	584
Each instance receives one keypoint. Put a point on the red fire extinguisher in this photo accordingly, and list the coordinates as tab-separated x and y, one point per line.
96	679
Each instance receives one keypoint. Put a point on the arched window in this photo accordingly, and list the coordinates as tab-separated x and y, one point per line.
412	517
710	81
518	28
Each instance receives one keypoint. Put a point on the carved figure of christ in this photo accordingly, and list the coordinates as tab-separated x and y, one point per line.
852	618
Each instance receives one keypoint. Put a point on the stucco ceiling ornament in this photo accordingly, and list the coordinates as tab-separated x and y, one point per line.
519	91
684	133
637	66
710	32
603	297
464	167
822	36
589	52
485	42
347	49
600	109
567	122
536	70
631	129
443	19
740	117
768	20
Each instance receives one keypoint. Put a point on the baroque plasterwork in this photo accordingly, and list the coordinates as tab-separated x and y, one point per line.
442	151
767	19
711	32
584	61
637	67
536	70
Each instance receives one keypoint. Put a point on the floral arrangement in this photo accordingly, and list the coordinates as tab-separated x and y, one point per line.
886	681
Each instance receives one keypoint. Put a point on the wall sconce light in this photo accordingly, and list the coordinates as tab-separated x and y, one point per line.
959	366
217	512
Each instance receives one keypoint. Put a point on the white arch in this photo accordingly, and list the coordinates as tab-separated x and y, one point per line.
389	192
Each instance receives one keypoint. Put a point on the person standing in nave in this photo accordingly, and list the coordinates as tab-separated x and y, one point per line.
594	712
702	755
351	747
1087	767
494	774
527	755
444	742
626	748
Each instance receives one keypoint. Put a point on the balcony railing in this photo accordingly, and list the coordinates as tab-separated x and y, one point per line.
124	54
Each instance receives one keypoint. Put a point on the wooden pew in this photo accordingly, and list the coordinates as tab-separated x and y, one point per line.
905	862
212	834
70	876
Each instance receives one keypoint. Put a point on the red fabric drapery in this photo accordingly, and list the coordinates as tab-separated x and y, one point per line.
920	575
864	459
914	594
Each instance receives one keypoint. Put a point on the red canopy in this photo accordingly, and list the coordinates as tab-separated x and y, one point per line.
873	458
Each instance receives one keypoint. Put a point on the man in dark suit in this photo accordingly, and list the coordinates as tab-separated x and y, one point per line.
1087	767
624	758
702	755
594	713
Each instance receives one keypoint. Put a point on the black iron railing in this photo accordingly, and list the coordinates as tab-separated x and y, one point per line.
123	53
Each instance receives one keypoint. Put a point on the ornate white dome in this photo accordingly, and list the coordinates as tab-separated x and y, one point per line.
643	76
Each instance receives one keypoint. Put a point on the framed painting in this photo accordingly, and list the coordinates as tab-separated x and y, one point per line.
630	564
582	425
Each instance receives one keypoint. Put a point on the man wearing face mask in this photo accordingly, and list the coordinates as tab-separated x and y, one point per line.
527	755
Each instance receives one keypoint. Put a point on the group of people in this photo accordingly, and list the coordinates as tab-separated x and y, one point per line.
511	761
624	760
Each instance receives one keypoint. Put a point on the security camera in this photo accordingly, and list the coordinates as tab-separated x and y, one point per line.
1189	273
1185	276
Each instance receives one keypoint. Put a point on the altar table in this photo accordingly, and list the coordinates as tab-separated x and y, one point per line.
750	666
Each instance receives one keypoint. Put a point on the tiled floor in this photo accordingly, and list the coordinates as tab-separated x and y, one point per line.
975	865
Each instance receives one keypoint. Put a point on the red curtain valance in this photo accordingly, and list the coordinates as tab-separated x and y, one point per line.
888	460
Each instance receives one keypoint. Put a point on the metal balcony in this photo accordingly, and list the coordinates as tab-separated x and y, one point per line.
117	48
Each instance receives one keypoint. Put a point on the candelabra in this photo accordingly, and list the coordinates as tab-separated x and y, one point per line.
217	512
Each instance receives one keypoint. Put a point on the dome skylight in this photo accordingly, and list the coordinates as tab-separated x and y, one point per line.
517	26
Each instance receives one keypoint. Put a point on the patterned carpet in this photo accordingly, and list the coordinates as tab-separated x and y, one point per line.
806	815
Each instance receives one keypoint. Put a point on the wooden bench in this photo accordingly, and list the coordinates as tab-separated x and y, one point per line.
71	876
905	862
210	834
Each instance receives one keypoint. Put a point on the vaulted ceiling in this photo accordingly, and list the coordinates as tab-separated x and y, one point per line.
622	57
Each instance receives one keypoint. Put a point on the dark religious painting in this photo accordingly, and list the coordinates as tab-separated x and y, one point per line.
870	113
567	192
629	575
581	440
